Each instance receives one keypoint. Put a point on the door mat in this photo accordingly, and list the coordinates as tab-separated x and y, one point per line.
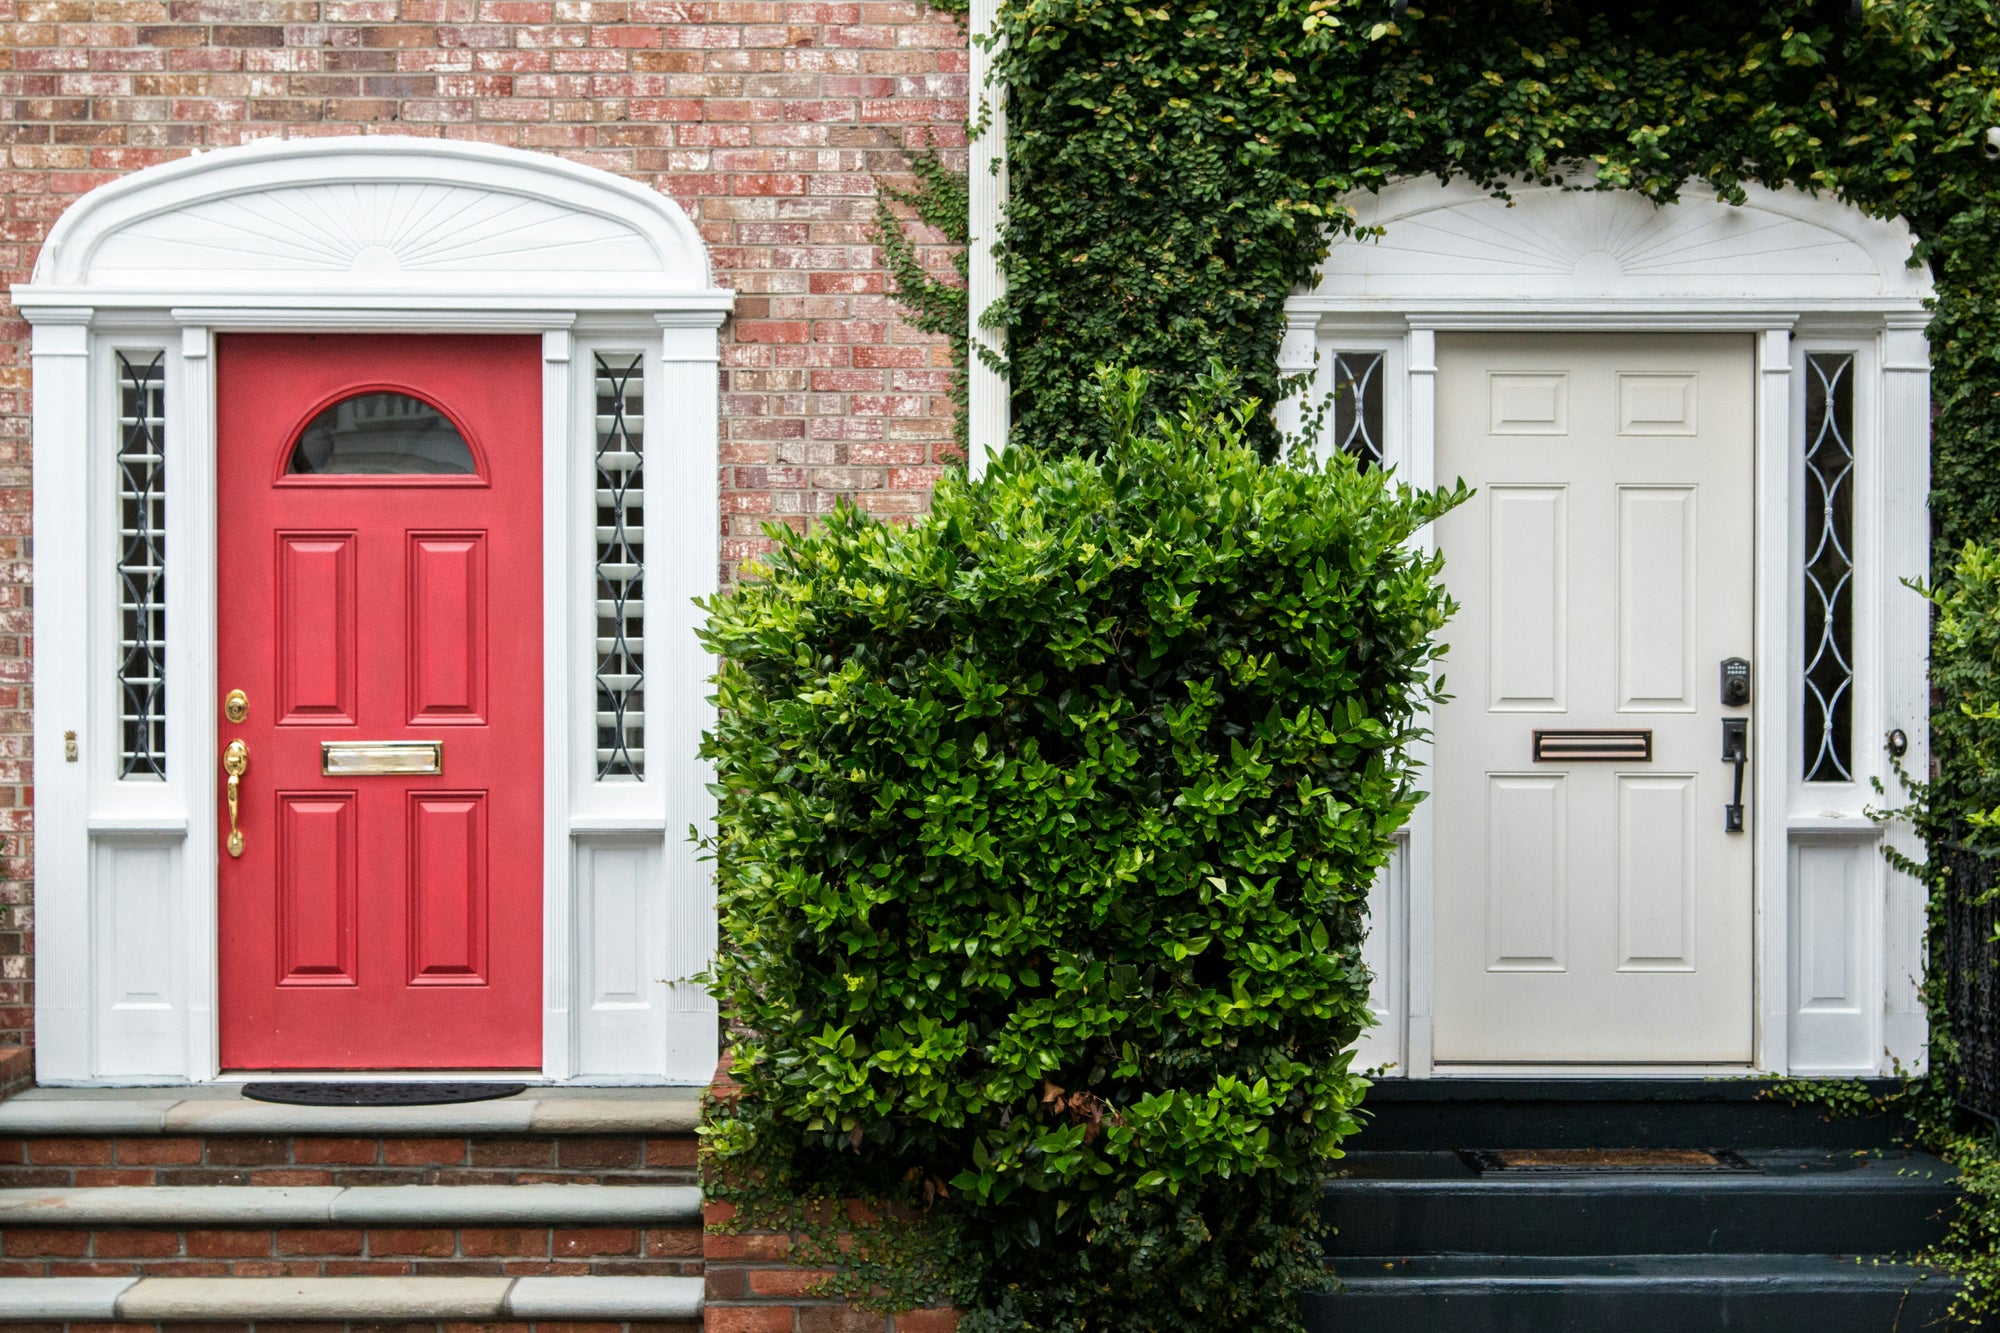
1621	1160
378	1094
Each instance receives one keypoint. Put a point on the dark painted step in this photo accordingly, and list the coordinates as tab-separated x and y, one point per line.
1414	1204
1444	1114
1749	1293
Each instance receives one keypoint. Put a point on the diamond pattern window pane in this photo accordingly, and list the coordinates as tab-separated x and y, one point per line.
1829	567
142	551
621	565
1357	406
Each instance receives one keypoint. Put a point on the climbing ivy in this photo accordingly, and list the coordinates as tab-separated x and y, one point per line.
1177	168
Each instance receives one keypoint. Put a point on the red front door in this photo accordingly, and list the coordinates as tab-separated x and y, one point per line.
379	583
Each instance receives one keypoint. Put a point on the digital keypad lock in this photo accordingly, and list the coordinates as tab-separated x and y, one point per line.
1735	682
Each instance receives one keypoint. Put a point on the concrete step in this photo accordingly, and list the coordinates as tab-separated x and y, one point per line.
349	1299
1785	1293
1794	1202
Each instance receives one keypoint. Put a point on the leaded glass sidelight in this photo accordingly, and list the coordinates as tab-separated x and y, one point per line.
1829	568
621	566
1357	406
142	554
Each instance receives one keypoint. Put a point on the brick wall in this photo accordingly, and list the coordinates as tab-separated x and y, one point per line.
754	1287
770	121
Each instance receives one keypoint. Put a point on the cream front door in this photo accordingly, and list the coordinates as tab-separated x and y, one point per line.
1592	906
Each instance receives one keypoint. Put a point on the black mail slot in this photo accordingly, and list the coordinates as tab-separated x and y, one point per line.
1585	747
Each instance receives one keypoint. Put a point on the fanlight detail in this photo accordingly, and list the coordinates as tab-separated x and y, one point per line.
381	434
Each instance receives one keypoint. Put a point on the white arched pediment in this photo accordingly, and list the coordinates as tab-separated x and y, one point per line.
1455	241
380	216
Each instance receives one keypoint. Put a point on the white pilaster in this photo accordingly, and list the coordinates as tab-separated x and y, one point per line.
60	354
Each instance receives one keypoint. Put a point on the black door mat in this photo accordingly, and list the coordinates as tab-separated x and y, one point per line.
1623	1161
379	1094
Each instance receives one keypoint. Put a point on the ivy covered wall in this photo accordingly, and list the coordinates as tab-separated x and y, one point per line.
1176	169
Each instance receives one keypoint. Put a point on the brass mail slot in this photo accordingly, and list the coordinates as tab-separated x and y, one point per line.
1586	747
346	759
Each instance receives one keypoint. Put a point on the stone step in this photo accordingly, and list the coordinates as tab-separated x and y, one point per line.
164	1300
223	1110
1792	1202
1445	1114
1786	1293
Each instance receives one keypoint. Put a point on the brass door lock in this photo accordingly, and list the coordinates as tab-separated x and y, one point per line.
236	706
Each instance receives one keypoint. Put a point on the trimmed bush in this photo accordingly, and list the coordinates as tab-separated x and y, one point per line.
1045	834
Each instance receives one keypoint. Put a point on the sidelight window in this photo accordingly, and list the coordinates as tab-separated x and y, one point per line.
142	554
1829	568
1357	406
621	566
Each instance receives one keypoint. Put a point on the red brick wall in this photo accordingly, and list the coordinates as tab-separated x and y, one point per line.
770	121
754	1287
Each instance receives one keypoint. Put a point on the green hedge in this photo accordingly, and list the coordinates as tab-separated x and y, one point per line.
1046	827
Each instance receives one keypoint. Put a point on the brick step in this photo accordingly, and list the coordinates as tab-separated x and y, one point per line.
53	1138
362	1205
248	1231
517	1251
361	1326
674	1302
326	1160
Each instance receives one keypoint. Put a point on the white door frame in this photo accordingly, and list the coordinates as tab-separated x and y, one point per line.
386	235
1839	947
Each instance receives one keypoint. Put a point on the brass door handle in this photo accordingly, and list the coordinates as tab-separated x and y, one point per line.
235	759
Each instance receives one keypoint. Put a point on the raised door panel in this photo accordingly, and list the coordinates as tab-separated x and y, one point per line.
1528	607
449	921
1527	863
315	617
1655	836
1656	404
1658	628
448	627
317	891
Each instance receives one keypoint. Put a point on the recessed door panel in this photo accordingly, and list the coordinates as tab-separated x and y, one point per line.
379	576
315	618
448	627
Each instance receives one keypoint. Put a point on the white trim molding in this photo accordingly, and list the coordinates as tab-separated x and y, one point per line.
1839	949
366	235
